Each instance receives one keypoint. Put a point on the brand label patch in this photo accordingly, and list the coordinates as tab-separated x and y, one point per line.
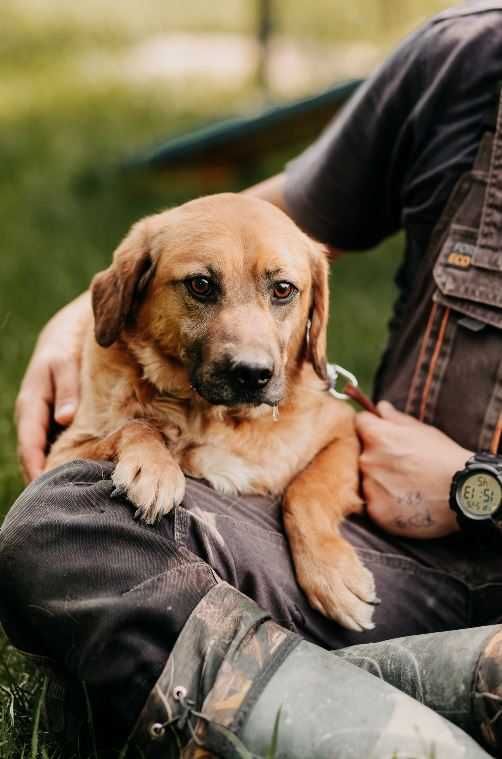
460	255
459	260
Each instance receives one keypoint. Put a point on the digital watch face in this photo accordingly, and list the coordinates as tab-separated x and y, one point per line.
480	495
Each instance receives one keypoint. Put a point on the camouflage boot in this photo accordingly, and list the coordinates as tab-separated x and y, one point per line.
457	674
239	685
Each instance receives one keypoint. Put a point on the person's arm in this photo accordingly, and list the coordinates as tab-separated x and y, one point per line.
50	387
271	189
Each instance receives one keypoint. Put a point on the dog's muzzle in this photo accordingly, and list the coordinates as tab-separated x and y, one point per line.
231	383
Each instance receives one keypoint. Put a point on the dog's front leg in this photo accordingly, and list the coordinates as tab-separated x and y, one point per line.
145	470
327	567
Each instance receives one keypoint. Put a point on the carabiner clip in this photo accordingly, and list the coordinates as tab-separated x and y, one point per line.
333	371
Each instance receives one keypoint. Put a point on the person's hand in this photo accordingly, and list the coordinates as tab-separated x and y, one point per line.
407	468
51	384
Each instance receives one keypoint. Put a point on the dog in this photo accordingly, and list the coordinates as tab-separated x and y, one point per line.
208	359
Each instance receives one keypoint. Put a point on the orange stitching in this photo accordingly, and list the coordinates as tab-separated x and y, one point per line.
497	436
421	355
435	356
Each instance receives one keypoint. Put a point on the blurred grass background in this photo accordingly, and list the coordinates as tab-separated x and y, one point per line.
84	85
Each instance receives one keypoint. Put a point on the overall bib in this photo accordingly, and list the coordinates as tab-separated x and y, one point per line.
446	366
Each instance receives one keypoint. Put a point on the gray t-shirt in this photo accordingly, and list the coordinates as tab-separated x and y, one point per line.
391	158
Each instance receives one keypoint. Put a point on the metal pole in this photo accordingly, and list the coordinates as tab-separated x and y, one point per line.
388	15
264	34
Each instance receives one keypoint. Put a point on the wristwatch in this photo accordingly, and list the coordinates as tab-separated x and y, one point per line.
476	497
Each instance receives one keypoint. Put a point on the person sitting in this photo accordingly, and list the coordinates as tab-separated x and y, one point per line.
196	633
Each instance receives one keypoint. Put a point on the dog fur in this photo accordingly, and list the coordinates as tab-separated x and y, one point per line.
165	393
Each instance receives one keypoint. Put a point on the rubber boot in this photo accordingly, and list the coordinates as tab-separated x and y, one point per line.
457	674
239	685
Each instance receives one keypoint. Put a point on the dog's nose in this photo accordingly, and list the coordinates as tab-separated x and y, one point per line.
252	376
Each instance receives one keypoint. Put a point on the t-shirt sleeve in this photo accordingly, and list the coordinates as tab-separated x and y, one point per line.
345	188
391	158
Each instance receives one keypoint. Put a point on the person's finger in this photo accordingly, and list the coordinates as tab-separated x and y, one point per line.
369	490
366	462
391	413
370	427
66	382
32	415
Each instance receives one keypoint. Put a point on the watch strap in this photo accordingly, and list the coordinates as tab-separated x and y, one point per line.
484	457
488	531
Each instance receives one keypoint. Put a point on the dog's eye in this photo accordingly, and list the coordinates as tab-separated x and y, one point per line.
283	291
200	286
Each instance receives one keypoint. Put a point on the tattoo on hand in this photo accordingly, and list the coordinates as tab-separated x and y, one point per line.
412	498
421	517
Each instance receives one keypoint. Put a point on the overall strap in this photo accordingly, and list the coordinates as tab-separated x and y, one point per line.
488	253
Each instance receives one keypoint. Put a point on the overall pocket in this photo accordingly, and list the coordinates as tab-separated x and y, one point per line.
469	279
463	391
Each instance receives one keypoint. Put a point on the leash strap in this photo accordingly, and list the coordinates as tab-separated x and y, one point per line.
357	395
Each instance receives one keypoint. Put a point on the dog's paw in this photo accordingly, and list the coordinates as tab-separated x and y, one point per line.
338	585
155	484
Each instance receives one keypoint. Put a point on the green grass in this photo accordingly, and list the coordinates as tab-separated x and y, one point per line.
64	207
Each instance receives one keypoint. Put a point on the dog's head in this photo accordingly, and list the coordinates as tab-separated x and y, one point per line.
227	289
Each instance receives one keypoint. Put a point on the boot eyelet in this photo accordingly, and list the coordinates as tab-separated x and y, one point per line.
157	731
179	693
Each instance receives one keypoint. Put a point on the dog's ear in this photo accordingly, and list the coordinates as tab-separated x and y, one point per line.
319	313
116	289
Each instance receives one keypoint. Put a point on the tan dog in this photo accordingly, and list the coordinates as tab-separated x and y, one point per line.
209	360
